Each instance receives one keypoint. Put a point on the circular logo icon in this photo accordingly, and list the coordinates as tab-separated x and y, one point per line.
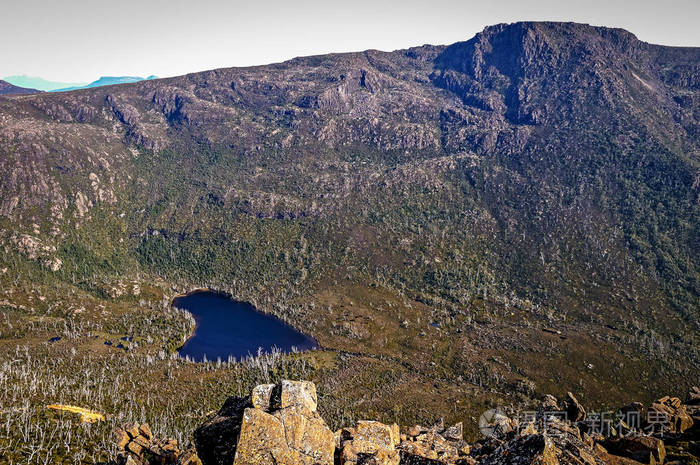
492	423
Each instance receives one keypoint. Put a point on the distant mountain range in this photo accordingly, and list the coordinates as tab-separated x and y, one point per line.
52	86
108	81
8	89
39	83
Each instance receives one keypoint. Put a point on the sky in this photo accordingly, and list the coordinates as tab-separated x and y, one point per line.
81	40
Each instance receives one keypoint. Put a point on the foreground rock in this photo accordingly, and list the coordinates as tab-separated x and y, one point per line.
137	446
546	440
276	424
644	449
671	415
369	442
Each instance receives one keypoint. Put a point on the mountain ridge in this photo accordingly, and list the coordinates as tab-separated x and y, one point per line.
504	217
9	89
37	82
108	81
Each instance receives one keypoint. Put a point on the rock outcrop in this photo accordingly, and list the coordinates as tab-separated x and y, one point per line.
137	446
671	414
369	442
278	424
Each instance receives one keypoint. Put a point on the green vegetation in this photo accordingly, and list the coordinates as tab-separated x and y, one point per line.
424	214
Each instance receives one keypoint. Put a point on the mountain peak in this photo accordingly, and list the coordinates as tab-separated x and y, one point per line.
530	71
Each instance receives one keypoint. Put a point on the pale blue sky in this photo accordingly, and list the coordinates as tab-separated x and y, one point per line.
80	40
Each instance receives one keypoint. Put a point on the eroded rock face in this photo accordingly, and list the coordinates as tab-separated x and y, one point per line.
369	442
434	445
560	444
671	414
136	445
276	424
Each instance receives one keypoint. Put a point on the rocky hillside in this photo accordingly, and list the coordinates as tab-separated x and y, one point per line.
279	424
488	221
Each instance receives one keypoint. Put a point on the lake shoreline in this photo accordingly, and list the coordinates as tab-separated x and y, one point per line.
226	327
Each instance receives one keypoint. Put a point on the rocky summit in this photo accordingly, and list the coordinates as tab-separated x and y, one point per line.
279	425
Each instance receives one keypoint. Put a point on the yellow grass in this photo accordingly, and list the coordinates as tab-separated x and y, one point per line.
87	416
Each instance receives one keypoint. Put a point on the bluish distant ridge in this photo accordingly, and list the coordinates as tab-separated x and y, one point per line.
38	83
108	81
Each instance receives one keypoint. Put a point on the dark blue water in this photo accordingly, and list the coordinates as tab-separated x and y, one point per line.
229	328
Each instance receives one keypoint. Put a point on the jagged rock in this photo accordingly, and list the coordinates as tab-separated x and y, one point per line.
574	410
694	396
145	431
439	426
370	442
632	407
300	394
136	444
530	449
495	424
559	444
275	424
438	445
121	438
455	432
279	425
142	441
134	448
549	404
645	449
670	415
189	457
610	459
132	430
132	461
262	440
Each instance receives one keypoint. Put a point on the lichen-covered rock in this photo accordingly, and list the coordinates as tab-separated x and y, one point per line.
261	396
455	432
436	445
669	414
299	394
136	445
559	444
276	424
189	457
263	440
371	442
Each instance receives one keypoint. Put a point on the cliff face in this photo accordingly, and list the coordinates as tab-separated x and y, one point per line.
538	175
